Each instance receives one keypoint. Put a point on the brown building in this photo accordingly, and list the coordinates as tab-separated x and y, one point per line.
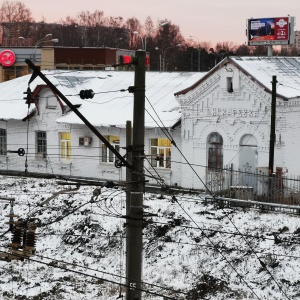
13	65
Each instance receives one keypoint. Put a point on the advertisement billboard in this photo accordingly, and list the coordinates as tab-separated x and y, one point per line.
271	31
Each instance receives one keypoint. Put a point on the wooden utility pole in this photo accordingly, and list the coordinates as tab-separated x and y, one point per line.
134	228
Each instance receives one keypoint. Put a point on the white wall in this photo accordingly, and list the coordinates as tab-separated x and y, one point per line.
84	162
206	109
211	108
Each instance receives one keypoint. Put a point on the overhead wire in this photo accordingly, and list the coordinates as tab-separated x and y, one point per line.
215	246
95	277
109	213
251	248
187	161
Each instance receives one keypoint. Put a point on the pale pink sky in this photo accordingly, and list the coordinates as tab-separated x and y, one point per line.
209	20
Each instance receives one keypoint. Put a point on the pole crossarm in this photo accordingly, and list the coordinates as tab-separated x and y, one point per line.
37	72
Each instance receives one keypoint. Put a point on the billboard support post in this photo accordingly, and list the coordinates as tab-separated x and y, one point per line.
270	50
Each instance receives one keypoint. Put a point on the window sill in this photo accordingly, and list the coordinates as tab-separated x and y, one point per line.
65	161
162	169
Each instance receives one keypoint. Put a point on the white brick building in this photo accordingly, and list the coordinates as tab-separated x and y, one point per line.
226	119
57	142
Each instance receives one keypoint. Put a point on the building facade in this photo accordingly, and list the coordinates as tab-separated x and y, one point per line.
57	142
295	47
226	119
50	57
217	121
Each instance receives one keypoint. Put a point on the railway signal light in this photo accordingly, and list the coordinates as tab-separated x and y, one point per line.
131	60
126	59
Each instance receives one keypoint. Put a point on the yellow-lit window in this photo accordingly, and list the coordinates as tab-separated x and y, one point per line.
65	145
161	153
108	155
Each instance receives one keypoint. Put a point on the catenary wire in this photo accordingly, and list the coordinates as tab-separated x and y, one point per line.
251	248
93	276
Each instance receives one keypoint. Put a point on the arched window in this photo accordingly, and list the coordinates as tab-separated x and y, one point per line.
215	151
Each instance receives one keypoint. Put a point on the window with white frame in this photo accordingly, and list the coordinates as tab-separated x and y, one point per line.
65	145
3	142
51	102
41	144
160	153
107	155
215	152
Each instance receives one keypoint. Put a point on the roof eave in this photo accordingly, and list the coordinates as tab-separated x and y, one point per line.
208	74
221	65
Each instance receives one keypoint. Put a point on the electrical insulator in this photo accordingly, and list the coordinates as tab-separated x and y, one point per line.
30	238
86	94
11	217
29	241
29	97
17	237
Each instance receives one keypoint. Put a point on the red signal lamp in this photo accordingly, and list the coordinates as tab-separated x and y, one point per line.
126	59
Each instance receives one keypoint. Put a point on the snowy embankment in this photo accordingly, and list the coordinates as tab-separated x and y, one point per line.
191	250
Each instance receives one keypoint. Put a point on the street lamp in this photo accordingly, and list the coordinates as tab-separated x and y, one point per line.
160	25
156	48
43	40
164	54
26	42
137	33
191	36
144	41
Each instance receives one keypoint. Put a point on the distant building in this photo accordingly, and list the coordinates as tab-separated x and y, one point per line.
48	58
289	49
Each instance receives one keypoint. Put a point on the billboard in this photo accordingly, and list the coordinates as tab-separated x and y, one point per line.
271	31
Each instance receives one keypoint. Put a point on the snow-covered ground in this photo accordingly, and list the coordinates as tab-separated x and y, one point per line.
192	249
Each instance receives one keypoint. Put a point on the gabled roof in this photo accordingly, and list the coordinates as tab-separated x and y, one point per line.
261	70
110	106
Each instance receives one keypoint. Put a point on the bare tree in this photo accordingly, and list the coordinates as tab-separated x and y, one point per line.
149	25
243	50
14	11
133	26
163	44
16	21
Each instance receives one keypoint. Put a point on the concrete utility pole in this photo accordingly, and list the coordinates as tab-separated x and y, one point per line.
272	137
134	228
273	127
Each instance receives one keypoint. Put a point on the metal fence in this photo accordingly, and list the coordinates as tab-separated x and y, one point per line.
258	186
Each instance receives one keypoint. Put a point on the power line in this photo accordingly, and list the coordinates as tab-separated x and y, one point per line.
260	261
93	276
230	233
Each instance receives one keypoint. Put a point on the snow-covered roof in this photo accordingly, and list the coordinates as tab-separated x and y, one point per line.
261	70
286	70
109	106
